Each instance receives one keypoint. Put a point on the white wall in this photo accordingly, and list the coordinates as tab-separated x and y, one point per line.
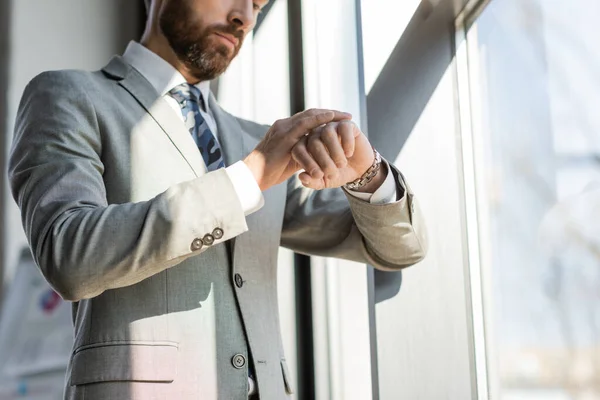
58	34
424	335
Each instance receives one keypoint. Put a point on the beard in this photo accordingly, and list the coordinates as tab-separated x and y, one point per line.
193	44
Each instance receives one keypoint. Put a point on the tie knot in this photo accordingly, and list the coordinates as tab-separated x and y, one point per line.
186	92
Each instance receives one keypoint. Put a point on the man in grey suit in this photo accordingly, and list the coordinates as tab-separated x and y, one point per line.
159	215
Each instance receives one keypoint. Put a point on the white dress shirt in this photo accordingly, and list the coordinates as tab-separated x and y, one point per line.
164	77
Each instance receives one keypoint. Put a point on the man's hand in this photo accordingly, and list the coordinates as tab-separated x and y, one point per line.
335	154
271	161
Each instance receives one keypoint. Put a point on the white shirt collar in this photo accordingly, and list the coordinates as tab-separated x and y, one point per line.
159	72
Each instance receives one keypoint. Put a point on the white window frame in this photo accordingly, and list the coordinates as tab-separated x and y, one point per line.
476	213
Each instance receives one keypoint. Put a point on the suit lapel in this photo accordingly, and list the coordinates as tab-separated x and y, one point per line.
132	81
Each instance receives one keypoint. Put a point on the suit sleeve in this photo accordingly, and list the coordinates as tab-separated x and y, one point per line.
333	223
83	245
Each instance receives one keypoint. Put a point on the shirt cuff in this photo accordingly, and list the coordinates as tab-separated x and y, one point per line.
248	191
385	194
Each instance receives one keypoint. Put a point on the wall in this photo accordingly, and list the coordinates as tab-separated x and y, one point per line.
424	336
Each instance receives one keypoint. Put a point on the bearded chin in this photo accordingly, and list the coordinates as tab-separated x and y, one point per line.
192	45
207	63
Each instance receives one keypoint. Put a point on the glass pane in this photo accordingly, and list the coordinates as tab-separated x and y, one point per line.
538	152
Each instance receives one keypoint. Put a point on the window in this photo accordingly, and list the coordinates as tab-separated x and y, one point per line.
535	88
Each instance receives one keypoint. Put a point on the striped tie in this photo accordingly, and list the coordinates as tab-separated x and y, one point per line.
189	98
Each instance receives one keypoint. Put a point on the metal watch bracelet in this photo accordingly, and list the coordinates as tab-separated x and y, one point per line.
367	176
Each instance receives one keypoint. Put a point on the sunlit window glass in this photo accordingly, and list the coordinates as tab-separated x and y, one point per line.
539	205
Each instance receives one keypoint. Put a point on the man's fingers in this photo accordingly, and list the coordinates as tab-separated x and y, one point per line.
301	155
338	115
311	183
310	121
272	162
318	151
329	136
347	132
283	126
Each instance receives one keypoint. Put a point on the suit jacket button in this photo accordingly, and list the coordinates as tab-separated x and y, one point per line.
208	240
238	361
218	233
196	245
239	282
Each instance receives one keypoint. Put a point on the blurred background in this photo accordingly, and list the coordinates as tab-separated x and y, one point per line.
490	110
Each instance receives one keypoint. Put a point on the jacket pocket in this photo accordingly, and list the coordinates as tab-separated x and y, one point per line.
125	361
286	377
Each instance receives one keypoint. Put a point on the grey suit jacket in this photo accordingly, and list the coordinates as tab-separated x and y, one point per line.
172	286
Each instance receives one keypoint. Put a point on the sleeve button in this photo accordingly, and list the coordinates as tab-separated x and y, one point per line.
208	240
218	233
196	245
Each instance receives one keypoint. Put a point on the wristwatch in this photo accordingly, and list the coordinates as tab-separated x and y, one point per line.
367	176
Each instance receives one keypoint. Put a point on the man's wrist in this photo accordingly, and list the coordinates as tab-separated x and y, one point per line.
376	182
370	175
256	164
